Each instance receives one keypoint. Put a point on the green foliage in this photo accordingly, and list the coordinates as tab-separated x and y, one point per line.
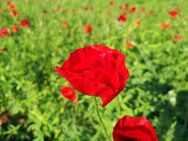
29	87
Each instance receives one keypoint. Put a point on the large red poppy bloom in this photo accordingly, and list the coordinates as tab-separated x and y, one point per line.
134	129
96	70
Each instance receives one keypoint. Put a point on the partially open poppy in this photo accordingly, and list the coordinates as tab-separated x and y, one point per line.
69	93
134	129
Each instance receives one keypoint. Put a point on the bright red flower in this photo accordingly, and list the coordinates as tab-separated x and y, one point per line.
11	6
152	12
173	13
69	93
165	25
14	13
122	18
3	32
14	28
96	70
25	23
88	28
178	38
135	129
132	9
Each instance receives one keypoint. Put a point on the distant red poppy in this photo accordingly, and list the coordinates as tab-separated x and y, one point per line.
14	13
178	38
134	129
173	13
14	28
129	44
88	28
96	70
11	5
122	18
69	93
152	12
3	32
179	9
65	24
25	23
132	9
111	4
165	25
138	22
3	119
126	5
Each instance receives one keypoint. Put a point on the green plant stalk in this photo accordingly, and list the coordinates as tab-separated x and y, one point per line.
101	121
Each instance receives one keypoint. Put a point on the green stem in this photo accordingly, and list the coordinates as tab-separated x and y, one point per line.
101	121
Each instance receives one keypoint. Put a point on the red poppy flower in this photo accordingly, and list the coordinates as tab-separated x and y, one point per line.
132	9
96	70
130	44
14	28
135	129
25	23
122	18
178	38
173	13
138	22
111	4
10	5
69	93
65	24
165	25
126	5
152	12
3	32
14	13
3	119
88	28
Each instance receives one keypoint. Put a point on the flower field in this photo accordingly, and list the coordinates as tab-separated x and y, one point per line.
70	70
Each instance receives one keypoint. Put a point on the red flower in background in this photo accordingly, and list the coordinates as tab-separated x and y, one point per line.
152	12
178	38
173	13
130	44
3	32
14	28
135	129
111	4
88	28
69	94
96	70
25	23
138	22
126	5
122	18
11	6
165	25
14	13
132	9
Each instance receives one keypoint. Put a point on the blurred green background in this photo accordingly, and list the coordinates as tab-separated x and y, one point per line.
31	106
